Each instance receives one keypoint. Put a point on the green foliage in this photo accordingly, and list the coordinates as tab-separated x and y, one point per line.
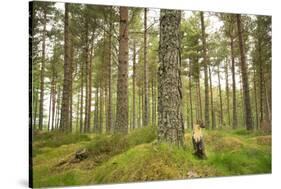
56	139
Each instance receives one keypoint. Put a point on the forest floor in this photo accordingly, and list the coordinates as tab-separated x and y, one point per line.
138	157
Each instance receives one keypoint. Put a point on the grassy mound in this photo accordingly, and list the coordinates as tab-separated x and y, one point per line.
136	157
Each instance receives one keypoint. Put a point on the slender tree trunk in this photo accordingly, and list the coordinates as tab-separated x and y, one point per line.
49	113
207	119
86	59
35	109
234	107
221	109
134	85
64	123
58	108
227	92
41	103
90	87
109	108
96	123
190	96
71	61
81	97
122	83
170	120
212	101
256	100
248	113
146	100
139	111
101	109
77	113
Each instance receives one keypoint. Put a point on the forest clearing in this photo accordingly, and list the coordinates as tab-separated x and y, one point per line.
121	94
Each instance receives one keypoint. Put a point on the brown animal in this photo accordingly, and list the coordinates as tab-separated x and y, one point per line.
197	140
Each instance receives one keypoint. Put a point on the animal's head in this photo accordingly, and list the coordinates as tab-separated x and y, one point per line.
201	124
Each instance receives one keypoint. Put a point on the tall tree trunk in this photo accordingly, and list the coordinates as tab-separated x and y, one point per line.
86	59
41	103
212	101
64	123
134	85
248	113
49	113
122	83
71	61
109	107
81	96
234	108
220	95
207	119
146	100
256	100
58	108
227	92
77	113
170	120
90	86
101	109
35	109
96	122
190	95
139	111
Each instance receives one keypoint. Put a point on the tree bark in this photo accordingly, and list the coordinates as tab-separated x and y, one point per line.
170	120
234	108
64	123
41	103
109	107
227	92
134	86
207	119
212	101
190	96
122	83
248	112
220	95
146	100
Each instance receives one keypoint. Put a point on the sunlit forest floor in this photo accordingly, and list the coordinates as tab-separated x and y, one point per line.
138	157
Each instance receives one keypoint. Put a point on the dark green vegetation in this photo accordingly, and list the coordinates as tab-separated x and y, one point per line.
138	157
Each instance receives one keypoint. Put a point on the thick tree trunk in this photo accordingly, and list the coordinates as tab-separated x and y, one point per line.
234	108
71	61
212	101
248	112
220	95
64	123
207	119
146	100
41	103
122	83
170	120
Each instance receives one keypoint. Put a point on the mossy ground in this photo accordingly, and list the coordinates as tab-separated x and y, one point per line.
138	157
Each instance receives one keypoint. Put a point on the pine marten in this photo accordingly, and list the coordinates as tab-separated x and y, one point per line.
197	140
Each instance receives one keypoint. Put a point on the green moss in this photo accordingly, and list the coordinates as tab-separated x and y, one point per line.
136	157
